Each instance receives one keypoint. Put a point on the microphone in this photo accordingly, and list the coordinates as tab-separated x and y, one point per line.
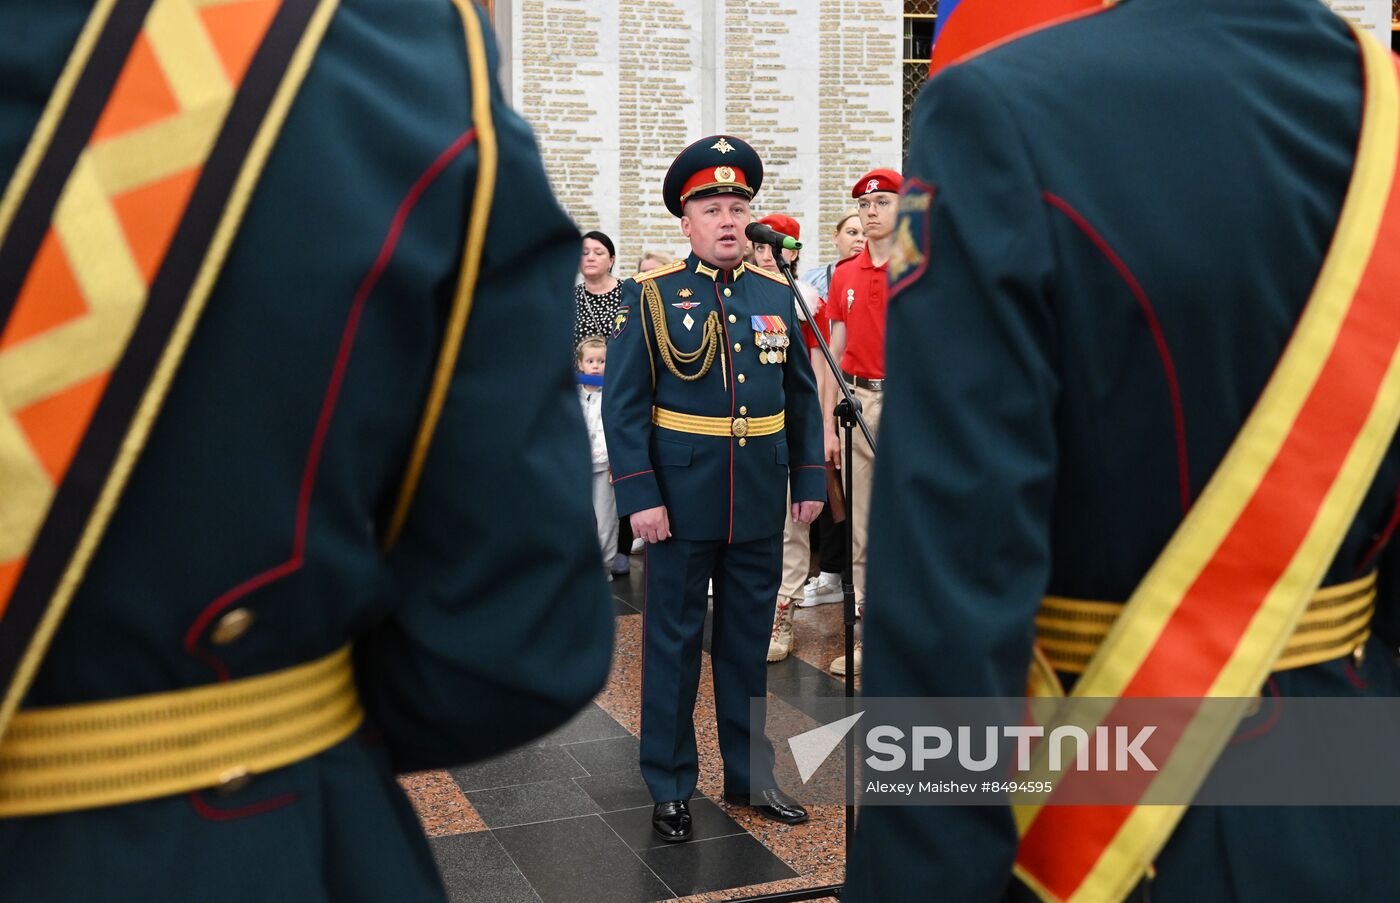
764	235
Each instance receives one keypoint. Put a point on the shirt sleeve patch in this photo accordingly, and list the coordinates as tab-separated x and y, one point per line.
911	236
619	322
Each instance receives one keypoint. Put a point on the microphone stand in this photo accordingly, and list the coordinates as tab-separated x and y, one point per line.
848	415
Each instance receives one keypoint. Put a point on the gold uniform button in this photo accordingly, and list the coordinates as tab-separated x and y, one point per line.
738	347
743	410
741	377
727	293
733	319
234	779
743	442
231	627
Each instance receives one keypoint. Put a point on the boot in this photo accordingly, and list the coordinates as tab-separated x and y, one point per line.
781	643
838	666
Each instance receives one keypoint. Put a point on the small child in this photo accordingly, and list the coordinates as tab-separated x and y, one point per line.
592	356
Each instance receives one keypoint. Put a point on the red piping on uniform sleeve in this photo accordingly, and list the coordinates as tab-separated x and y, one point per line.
313	456
207	811
617	480
1382	539
1178	417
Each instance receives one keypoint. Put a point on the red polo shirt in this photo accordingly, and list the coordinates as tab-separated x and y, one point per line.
857	298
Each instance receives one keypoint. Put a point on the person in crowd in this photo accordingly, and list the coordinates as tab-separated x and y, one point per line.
797	542
592	357
849	239
651	260
709	421
856	308
596	295
1128	436
596	298
329	519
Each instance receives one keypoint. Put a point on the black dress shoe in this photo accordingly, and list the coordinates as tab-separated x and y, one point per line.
671	821
772	804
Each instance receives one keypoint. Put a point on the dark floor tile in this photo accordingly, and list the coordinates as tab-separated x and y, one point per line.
590	724
787	669
617	790
606	756
631	589
809	683
622	607
527	803
708	821
476	869
707	865
580	860
529	765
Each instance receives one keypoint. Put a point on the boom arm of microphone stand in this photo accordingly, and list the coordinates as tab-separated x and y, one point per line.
826	349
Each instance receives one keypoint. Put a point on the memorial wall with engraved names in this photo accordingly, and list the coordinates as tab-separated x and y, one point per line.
1372	15
616	88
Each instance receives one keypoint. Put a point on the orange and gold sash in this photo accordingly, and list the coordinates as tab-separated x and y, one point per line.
113	229
1220	603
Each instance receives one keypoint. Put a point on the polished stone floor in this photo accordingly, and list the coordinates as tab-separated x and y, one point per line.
569	819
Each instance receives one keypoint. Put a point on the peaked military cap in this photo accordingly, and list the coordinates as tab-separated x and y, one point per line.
719	164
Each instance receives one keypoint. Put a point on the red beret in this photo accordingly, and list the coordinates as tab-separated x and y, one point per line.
877	180
779	222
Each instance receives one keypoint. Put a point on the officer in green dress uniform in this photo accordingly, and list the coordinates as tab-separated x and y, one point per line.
252	533
711	414
1110	228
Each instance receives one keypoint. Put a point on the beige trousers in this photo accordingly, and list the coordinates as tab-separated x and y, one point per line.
862	469
797	556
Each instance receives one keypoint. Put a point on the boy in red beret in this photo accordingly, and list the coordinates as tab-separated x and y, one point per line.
856	307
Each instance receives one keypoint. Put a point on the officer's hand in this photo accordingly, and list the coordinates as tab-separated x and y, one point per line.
804	512
652	524
832	443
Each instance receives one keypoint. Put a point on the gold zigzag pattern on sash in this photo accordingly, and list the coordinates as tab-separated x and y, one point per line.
108	236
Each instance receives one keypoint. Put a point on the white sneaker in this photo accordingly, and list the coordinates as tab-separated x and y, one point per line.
821	590
638	546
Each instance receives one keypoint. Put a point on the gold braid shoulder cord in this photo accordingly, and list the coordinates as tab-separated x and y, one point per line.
670	354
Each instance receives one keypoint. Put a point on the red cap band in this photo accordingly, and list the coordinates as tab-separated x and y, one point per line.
716	177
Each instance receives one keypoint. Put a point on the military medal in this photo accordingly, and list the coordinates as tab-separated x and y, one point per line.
770	335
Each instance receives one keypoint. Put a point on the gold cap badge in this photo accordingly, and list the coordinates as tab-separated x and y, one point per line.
722	146
724	174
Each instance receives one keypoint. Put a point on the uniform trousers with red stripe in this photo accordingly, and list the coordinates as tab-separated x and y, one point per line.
745	578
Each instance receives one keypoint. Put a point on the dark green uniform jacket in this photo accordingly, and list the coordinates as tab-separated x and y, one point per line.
1129	213
714	487
489	622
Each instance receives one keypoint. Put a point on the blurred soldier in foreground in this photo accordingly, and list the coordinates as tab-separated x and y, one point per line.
1115	233
272	327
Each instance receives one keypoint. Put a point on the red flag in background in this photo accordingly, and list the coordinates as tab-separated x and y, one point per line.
981	24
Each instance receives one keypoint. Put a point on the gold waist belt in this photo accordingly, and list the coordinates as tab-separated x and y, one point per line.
95	754
738	427
1337	622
